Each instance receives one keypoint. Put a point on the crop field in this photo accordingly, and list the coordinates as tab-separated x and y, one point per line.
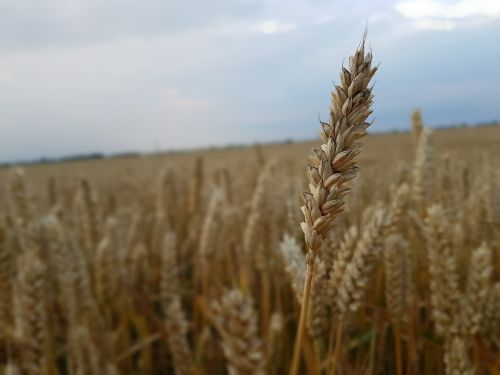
197	262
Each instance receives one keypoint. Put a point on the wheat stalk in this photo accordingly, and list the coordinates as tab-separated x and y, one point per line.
319	318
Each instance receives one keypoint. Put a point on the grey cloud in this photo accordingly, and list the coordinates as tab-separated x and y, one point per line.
52	22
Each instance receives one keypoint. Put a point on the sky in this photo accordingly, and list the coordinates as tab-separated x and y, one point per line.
80	76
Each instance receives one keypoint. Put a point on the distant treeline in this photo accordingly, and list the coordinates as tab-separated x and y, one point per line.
99	155
447	126
71	158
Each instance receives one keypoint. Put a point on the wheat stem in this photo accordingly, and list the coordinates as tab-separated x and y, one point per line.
303	314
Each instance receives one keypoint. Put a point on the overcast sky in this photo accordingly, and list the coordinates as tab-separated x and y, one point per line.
79	76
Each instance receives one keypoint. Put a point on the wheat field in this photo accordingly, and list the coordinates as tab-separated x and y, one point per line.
197	262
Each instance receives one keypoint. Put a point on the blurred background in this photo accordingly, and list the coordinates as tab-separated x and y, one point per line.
109	76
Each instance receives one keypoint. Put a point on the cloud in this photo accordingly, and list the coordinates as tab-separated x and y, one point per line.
56	22
440	15
177	101
438	9
435	24
275	26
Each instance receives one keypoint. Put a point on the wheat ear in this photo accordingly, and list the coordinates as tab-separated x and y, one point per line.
195	188
294	264
476	294
397	259
236	322
105	280
12	369
344	256
177	329
169	279
83	354
442	269
416	125
92	233
423	172
456	357
333	164
358	271
208	237
20	198
31	319
252	235
139	269
490	324
6	279
398	276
